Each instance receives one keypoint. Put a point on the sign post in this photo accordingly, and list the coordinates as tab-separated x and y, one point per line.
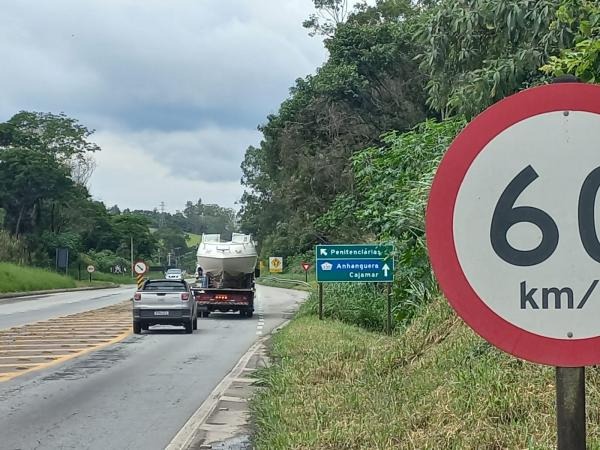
355	263
320	301
512	239
388	296
306	266
91	269
140	268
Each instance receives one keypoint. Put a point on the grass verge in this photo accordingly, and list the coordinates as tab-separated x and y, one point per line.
435	385
14	278
268	280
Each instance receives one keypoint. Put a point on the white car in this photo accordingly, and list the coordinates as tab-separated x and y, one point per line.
174	274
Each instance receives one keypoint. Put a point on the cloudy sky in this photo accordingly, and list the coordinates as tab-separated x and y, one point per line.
173	88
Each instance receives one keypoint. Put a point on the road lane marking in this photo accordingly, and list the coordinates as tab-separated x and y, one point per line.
44	344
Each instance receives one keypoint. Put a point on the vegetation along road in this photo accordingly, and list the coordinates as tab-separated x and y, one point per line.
265	130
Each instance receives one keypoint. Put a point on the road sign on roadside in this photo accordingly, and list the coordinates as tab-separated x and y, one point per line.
306	266
140	267
91	269
276	264
511	224
364	263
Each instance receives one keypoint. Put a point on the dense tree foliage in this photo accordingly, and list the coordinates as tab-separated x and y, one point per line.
370	84
45	163
350	155
583	58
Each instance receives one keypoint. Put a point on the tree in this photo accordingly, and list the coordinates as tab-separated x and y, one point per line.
27	178
55	134
171	238
329	14
476	52
370	84
583	58
128	226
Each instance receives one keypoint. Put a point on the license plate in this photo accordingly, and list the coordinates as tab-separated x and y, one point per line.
161	313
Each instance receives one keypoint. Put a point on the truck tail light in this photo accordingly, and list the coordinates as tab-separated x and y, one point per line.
220	297
185	297
137	296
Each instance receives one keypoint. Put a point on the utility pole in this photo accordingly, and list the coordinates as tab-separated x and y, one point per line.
131	256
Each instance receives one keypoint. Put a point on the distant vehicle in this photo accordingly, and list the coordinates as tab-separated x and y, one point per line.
174	274
164	302
225	274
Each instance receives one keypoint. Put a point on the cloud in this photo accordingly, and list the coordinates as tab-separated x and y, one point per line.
153	63
210	154
129	175
175	89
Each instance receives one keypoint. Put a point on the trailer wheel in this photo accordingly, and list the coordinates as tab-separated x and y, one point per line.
137	328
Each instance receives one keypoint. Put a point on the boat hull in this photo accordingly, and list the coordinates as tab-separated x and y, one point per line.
233	258
232	265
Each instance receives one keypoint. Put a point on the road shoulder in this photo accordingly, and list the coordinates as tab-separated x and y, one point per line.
223	420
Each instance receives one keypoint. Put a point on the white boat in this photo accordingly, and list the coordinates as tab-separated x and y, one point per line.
227	258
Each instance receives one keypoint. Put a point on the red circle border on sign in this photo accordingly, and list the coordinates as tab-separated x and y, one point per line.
440	224
145	265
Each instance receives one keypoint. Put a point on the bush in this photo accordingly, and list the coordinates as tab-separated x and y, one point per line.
392	188
11	248
354	303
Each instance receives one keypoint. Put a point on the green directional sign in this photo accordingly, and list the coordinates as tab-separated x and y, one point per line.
362	263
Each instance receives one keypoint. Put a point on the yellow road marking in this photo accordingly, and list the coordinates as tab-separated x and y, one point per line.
51	342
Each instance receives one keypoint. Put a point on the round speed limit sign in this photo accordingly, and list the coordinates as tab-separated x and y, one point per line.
512	229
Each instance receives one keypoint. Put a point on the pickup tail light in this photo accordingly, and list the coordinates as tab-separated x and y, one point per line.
137	296
185	297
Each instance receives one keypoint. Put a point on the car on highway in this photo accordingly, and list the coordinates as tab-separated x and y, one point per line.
165	302
174	274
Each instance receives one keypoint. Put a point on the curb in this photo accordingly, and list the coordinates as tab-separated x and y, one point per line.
9	295
184	438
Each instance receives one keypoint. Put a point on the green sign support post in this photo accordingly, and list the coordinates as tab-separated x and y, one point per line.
356	263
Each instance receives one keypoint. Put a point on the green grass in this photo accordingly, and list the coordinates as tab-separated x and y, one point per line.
433	385
290	276
14	278
193	239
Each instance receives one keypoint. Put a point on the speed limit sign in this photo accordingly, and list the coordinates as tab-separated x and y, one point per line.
512	228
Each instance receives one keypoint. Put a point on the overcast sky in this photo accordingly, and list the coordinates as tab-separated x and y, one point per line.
174	88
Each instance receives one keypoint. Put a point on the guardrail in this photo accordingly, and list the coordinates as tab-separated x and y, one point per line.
286	281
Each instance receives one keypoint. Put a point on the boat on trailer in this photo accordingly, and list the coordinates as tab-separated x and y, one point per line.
227	262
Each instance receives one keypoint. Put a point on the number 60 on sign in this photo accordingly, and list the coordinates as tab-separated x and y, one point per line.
512	229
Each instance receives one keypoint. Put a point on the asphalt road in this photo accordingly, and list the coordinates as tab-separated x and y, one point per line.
135	394
23	310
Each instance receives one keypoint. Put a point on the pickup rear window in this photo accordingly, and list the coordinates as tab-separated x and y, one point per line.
175	286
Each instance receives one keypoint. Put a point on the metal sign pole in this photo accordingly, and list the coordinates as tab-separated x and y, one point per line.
570	408
389	309
320	301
